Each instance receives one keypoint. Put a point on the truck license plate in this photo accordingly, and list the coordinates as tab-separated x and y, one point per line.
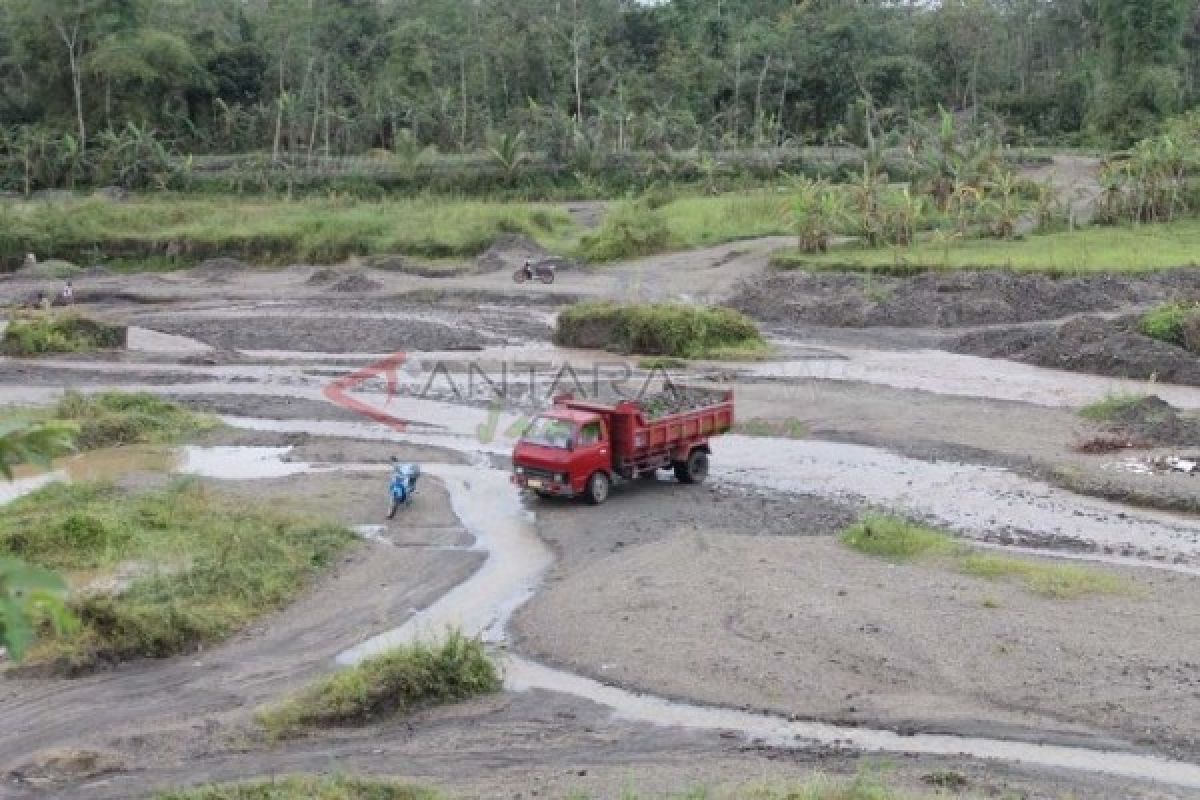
534	483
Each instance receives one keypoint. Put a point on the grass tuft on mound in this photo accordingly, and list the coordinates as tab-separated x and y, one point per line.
900	540
397	682
42	333
895	538
307	788
1112	407
677	331
197	565
1171	322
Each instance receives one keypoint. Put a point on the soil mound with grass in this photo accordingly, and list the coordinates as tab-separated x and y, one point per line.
944	299
42	334
1152	420
356	282
1088	344
659	330
50	269
1191	334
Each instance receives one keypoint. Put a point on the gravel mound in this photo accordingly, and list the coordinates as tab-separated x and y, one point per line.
322	276
220	270
508	252
1088	344
222	265
946	299
356	282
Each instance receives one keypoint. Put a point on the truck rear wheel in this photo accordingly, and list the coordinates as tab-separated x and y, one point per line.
694	470
597	488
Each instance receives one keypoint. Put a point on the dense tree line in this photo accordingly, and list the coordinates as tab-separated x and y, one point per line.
345	76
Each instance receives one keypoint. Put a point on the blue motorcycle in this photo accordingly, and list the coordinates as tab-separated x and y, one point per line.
404	485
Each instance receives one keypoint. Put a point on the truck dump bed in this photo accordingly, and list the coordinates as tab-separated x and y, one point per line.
666	421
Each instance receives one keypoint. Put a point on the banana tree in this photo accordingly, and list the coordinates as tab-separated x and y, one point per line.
29	598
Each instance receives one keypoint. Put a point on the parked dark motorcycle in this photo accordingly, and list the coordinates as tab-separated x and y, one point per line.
543	271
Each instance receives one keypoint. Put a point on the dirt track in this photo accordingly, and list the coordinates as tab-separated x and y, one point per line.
728	595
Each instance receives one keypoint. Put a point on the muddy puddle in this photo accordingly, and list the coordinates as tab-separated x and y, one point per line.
491	509
97	465
144	340
218	463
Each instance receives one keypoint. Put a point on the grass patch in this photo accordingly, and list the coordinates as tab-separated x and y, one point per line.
1060	581
111	419
41	333
895	538
1128	249
1169	322
397	682
677	331
307	788
662	362
702	221
168	230
204	564
867	785
776	428
899	540
1112	407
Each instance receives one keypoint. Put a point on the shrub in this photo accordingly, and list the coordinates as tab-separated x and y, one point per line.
1170	321
630	230
399	681
664	330
44	333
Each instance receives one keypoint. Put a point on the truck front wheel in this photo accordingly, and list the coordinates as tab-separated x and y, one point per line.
597	488
694	470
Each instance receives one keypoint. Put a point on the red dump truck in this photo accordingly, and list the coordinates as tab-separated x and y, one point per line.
581	448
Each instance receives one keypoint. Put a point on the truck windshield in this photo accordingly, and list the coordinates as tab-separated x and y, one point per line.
549	432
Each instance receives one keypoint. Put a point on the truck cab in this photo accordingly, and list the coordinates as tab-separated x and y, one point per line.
562	452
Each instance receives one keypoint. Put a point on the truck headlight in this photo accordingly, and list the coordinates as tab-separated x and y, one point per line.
519	470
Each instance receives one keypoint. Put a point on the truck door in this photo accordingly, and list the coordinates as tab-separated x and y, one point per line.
593	451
